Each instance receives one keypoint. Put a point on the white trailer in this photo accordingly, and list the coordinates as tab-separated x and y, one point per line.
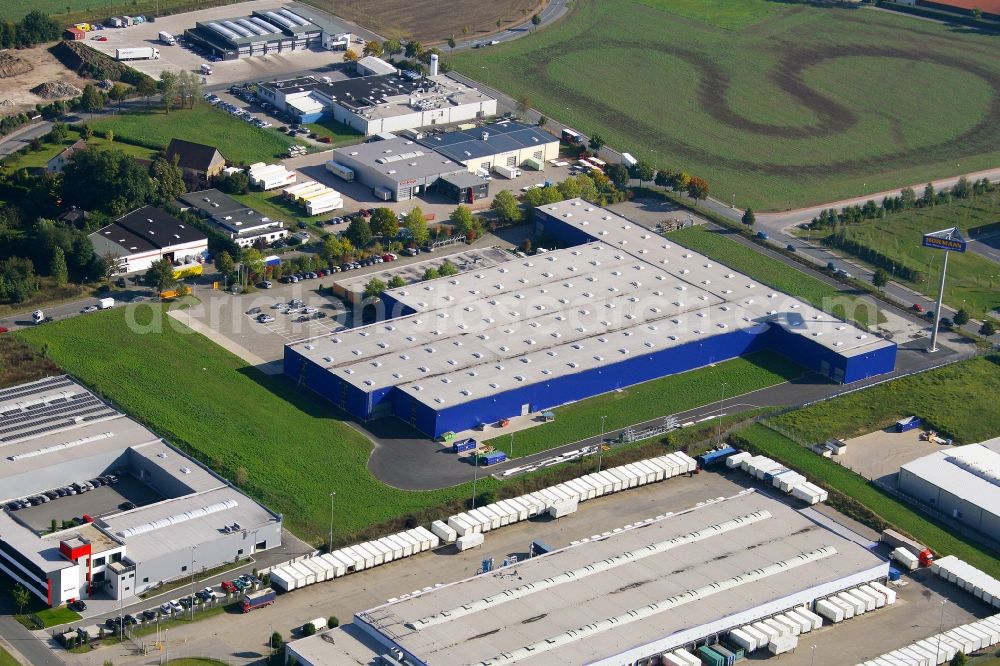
366	555
743	640
271	176
628	160
506	171
292	192
888	593
338	567
759	636
390	550
320	572
105	303
831	611
282	579
167	38
325	204
469	541
430	540
444	531
563	509
302	575
137	53
378	556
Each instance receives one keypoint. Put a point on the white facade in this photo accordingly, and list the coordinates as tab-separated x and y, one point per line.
133	262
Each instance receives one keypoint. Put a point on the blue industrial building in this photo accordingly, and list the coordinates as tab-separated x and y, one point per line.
618	307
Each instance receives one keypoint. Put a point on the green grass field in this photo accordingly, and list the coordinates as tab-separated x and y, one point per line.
339	133
776	274
40	159
958	399
783	104
237	140
274	206
6	659
939	539
973	281
197	396
653	399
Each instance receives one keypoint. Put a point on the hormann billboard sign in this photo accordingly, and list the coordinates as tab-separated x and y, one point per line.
946	239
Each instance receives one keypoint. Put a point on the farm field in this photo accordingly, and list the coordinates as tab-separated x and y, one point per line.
973	280
774	273
958	400
893	511
196	394
736	95
238	141
652	399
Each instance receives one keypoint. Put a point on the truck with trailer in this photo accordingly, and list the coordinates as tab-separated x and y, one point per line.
166	38
258	599
506	171
339	170
137	53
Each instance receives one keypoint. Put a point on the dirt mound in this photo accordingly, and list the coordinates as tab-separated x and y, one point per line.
56	90
11	65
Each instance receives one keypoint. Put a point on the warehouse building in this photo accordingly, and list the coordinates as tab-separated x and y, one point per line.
507	143
244	225
396	169
162	515
378	103
267	32
962	483
679	581
619	306
147	235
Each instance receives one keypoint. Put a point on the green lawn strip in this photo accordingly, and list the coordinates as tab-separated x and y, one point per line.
973	280
957	400
857	489
231	416
652	399
49	617
273	205
774	273
339	133
733	121
6	659
237	140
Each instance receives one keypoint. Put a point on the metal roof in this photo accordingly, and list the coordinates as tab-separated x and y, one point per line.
687	574
502	137
970	473
562	312
398	158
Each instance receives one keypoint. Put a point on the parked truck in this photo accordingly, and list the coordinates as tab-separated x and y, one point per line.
506	171
258	599
38	316
137	53
105	303
167	38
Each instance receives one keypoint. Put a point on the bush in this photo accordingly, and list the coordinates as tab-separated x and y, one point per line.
332	622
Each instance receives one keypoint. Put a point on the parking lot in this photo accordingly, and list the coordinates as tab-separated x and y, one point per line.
179	57
95	503
879	454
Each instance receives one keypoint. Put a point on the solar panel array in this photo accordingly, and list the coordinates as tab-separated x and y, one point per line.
33	409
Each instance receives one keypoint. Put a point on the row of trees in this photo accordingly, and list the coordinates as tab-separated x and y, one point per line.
35	28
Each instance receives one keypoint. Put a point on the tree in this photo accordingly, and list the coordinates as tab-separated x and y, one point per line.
59	134
359	232
697	188
749	218
962	189
233	183
109	136
451	42
384	223
907	197
92	99
35	28
21	597
168	89
416	224
86	133
332	622
224	263
146	88
506	207
253	261
334	249
644	171
118	92
57	268
463	220
431	274
374	288
596	141
536	20
392	47
928	198
276	641
619	175
880	278
663	178
959	659
182	289
961	318
161	275
988	329
373	48
105	180
167	181
350	55
395	282
413	49
447	269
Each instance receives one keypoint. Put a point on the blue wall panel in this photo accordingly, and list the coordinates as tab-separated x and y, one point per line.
564	233
634	369
877	362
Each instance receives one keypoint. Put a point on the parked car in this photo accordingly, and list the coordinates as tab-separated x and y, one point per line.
129	619
176	607
79	606
265	318
247	580
253	311
790	247
166	609
149	615
126	506
266	284
762	235
229	586
89	309
917	307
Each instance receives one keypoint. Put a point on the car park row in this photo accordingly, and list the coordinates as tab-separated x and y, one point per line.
65	491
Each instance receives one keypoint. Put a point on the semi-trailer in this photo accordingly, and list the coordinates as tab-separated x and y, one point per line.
258	599
167	38
137	53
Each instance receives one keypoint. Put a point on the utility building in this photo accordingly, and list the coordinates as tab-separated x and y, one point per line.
962	482
396	169
506	143
244	225
267	32
679	581
619	306
147	235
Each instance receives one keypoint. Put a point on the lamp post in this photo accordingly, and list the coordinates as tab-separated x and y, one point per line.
723	400
475	474
329	544
191	598
812	660
511	445
600	446
941	621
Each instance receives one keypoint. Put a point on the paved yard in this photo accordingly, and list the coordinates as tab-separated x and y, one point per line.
878	455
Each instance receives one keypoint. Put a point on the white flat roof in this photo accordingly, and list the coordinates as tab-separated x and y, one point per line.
562	312
593	600
971	473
